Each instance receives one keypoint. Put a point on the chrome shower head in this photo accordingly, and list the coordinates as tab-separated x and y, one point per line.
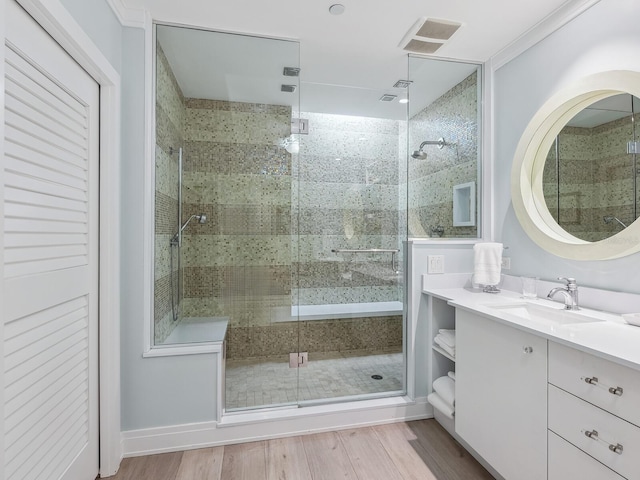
420	153
202	218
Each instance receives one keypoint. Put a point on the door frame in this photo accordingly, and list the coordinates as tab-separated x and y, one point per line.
58	23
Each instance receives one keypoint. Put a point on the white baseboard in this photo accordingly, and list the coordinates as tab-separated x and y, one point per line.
236	429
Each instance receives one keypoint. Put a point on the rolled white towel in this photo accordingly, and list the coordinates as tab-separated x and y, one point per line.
444	346
448	337
445	387
437	402
487	262
452	375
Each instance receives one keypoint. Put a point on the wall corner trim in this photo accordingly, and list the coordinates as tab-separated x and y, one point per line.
129	17
552	22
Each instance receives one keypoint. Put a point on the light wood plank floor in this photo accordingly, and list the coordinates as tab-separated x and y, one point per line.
420	450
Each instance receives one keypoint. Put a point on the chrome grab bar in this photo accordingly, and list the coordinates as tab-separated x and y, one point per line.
392	251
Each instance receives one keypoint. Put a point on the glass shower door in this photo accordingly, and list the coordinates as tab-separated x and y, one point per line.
351	228
224	158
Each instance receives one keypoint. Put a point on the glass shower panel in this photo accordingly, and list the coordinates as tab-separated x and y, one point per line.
444	148
229	119
351	230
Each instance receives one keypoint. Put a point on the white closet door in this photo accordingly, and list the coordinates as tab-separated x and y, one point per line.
50	280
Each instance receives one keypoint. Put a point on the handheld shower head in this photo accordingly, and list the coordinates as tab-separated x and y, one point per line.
611	218
202	219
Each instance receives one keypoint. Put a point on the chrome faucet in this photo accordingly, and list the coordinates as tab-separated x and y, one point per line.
569	292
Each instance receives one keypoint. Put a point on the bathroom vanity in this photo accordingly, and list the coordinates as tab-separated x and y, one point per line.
541	392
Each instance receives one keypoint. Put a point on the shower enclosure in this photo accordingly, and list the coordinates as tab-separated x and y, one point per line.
281	214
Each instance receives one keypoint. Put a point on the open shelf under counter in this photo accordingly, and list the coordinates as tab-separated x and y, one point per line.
442	352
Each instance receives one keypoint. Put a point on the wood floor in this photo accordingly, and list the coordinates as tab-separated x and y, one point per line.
420	450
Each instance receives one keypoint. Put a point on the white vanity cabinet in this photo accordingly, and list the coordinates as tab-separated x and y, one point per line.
594	408
501	395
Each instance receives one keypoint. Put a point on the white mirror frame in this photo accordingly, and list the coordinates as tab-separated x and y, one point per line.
528	165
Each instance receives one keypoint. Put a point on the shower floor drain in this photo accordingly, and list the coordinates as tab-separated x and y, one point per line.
376	377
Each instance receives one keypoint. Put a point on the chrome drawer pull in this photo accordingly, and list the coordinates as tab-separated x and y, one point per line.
616	448
591	380
592	434
616	391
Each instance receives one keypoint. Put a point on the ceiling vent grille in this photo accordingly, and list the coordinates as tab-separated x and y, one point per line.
402	84
427	35
387	98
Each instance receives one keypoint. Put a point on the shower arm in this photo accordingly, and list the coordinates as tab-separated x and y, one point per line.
176	238
440	143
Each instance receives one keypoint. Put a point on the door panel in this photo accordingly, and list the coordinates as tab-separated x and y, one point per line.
50	258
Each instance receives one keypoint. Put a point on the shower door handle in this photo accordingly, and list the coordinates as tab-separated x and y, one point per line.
392	251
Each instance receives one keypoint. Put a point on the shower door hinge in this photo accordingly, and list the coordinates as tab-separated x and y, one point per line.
633	147
297	360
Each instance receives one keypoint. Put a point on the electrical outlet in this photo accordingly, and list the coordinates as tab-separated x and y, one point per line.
435	264
506	263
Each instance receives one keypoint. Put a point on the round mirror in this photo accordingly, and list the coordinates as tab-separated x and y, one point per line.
574	184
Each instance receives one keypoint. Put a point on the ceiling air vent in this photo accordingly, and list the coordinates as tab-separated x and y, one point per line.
288	88
387	98
291	72
402	84
427	35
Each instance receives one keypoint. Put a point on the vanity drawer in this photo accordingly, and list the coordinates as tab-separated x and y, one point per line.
572	418
566	461
570	369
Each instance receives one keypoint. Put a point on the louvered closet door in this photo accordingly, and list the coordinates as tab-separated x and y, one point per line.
50	258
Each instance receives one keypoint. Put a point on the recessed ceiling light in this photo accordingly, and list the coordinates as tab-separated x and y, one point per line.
336	9
403	100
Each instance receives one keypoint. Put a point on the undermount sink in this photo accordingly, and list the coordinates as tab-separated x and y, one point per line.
544	314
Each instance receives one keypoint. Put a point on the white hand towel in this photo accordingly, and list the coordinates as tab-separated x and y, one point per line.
452	375
437	402
487	261
445	347
446	388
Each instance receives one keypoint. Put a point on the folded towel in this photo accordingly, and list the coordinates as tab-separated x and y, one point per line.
452	375
448	337
445	387
437	402
487	262
445	347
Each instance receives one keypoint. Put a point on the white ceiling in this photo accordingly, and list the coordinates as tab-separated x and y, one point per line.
359	50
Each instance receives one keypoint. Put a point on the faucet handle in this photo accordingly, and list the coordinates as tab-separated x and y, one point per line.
571	282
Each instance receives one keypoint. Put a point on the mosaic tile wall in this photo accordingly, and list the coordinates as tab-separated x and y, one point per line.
347	196
169	126
244	262
596	178
454	117
238	264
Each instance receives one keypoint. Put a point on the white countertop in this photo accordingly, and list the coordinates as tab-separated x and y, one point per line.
612	339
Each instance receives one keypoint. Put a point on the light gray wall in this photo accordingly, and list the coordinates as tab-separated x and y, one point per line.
101	25
155	391
606	37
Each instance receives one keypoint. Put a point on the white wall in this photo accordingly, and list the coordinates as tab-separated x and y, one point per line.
605	37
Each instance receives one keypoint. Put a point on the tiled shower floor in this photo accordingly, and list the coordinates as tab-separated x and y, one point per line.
256	382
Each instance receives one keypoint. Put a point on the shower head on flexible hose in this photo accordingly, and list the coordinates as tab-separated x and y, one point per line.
202	219
611	218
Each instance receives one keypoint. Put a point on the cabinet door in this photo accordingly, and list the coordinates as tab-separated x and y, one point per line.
501	395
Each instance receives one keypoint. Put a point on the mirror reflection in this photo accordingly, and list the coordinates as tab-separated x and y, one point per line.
590	175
